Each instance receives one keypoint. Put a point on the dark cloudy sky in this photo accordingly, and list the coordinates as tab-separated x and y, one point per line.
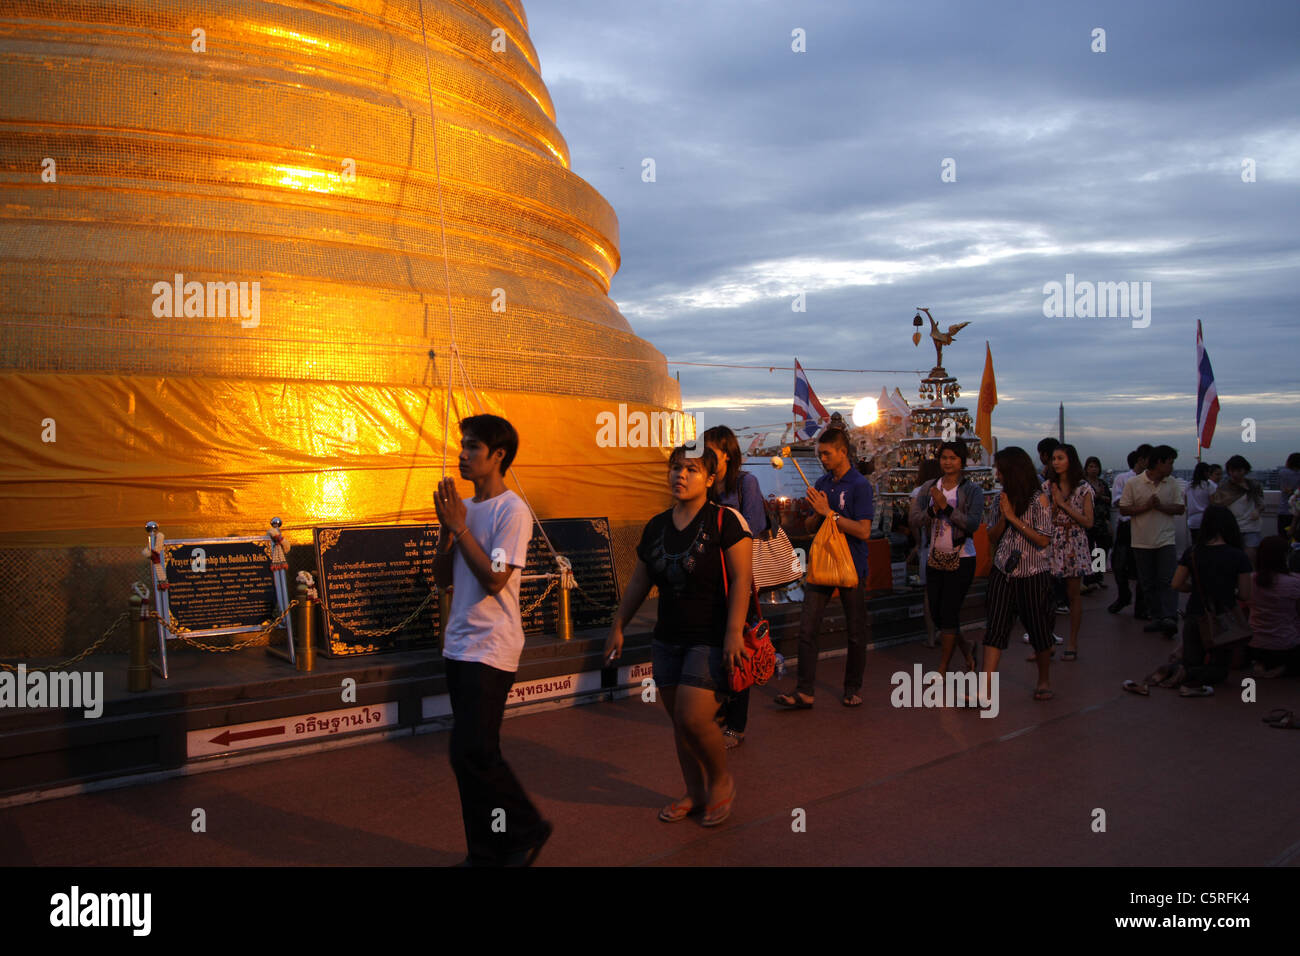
819	172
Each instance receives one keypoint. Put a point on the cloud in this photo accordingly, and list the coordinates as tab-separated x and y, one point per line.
780	173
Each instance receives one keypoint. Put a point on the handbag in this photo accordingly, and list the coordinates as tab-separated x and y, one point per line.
774	560
830	563
762	656
1223	628
944	559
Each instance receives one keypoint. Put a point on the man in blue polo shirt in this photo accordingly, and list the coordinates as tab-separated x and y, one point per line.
844	496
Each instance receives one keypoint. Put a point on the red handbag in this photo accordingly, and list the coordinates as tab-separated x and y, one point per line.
762	656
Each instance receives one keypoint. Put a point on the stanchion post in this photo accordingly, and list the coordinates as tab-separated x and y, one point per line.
304	630
139	673
564	619
566	616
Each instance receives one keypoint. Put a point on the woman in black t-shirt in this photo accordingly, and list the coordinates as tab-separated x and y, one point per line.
699	634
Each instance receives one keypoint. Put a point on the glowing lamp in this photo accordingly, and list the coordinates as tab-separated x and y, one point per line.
865	412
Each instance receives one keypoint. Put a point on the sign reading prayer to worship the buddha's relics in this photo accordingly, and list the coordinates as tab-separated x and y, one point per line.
585	542
373	578
220	584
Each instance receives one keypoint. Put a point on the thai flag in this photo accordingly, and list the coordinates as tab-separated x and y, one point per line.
1207	396
806	406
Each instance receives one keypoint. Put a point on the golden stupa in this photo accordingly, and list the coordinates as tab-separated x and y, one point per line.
237	242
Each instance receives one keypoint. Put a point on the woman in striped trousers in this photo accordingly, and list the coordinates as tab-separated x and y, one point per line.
1020	584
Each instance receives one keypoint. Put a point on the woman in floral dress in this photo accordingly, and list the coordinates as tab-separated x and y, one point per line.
1071	558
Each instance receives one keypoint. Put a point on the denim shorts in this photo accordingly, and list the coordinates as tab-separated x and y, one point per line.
696	665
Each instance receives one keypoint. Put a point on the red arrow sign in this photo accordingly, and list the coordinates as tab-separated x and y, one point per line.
225	737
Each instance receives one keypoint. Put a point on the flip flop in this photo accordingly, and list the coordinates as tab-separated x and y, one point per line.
1044	694
1070	656
718	812
1273	716
793	701
679	810
851	700
1134	687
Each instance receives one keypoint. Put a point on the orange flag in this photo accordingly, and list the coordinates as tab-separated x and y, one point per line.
988	398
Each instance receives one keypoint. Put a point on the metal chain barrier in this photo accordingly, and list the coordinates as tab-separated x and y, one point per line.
366	632
84	654
592	601
538	603
179	632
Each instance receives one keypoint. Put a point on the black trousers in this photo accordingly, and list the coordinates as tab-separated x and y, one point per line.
735	711
815	599
498	816
946	591
1124	567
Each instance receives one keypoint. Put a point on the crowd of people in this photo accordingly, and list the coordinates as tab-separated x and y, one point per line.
1047	531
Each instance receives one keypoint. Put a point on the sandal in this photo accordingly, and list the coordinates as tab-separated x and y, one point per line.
795	701
718	812
1157	675
731	739
1044	693
1070	656
851	700
1175	678
679	810
1136	687
1274	716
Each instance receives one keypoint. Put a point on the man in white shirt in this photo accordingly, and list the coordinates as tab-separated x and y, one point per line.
1122	562
482	545
1153	499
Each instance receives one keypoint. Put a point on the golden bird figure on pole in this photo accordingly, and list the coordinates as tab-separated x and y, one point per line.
940	338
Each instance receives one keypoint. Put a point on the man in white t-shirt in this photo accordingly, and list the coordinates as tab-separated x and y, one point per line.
1153	500
482	545
1122	562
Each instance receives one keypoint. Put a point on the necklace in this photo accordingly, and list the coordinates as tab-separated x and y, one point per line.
675	568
